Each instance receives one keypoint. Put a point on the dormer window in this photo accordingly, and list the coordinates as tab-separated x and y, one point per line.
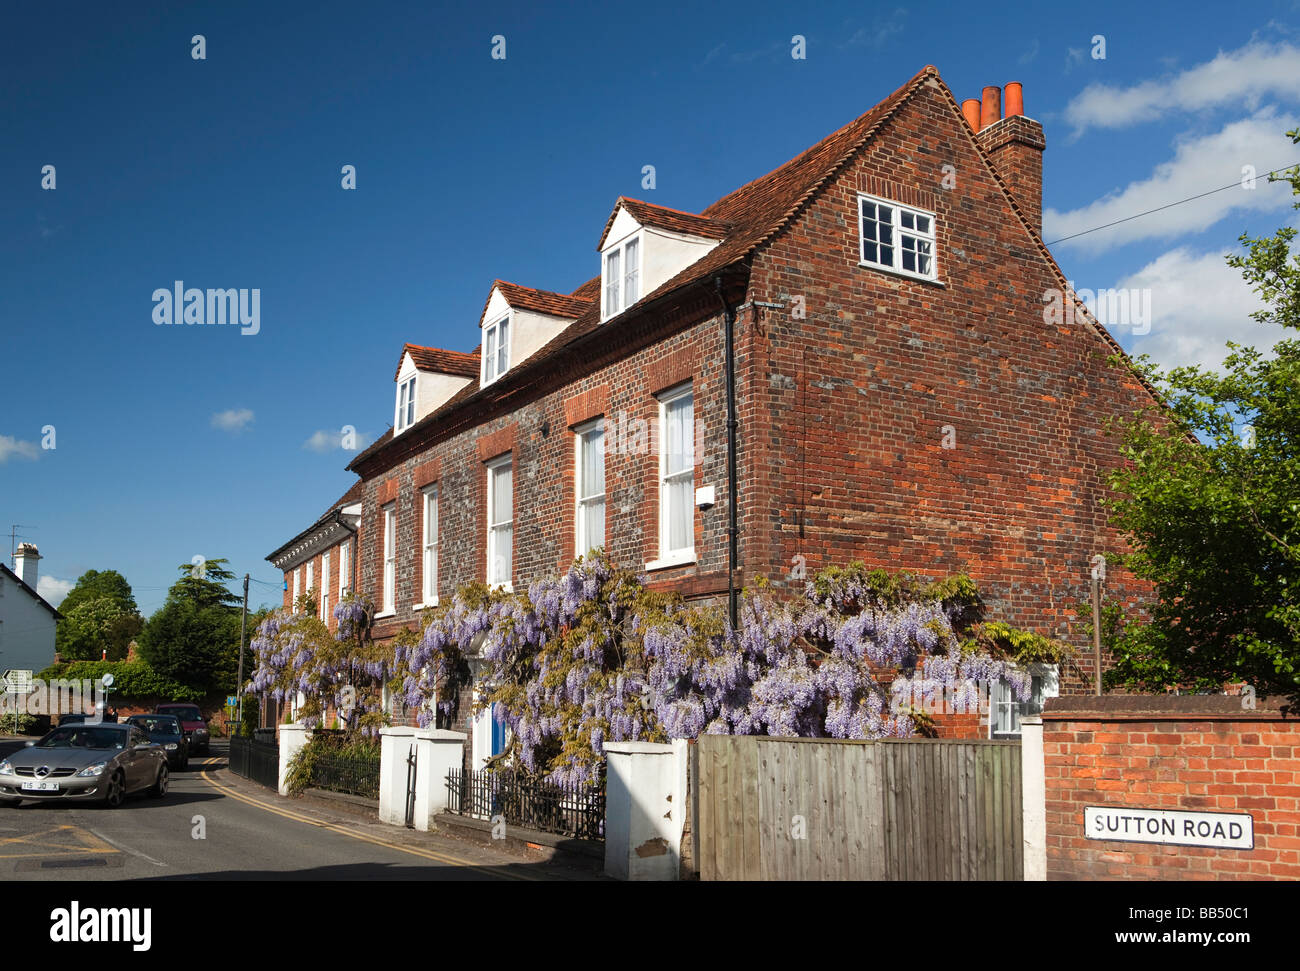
406	404
622	276
496	349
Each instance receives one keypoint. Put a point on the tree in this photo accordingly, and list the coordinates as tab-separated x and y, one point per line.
1210	502
99	613
193	638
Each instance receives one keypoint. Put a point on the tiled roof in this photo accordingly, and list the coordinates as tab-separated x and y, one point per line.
648	214
436	359
570	306
753	214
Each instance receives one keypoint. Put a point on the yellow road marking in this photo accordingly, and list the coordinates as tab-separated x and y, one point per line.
93	843
342	831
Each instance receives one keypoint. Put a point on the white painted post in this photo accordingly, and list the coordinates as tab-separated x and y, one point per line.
292	739
644	810
394	746
1033	786
438	751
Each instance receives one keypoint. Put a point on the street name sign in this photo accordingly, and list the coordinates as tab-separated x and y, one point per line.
1174	827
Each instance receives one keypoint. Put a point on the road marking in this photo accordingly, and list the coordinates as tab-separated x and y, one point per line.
54	849
126	849
342	831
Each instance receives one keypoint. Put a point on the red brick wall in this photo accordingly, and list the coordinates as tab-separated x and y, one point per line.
843	412
1217	762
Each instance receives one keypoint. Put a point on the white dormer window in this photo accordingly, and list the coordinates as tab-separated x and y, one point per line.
897	238
622	276
406	404
496	349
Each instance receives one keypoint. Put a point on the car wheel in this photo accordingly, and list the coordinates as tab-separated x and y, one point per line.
115	793
160	785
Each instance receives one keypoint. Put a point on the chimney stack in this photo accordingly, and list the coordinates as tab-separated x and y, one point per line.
25	563
970	108
1015	143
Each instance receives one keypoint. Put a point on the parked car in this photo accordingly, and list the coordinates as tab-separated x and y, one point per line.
85	762
191	719
166	731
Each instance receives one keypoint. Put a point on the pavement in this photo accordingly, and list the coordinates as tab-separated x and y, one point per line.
213	824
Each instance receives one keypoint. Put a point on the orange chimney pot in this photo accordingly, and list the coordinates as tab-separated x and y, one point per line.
970	108
991	110
1015	99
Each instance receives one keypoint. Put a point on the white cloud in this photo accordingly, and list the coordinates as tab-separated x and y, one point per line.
324	441
11	447
1199	164
1198	303
1243	76
53	589
234	420
1029	55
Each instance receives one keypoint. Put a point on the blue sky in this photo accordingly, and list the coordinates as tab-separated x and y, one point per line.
225	172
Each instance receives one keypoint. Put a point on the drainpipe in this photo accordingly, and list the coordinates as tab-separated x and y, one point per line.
730	321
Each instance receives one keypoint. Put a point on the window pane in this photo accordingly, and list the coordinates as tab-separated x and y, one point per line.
907	220
909	260
678	500
886	234
923	223
631	276
593	464
489	358
679	434
870	253
593	524
503	346
410	403
611	283
886	256
502	495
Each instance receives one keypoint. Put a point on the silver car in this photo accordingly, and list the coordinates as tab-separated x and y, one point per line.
88	762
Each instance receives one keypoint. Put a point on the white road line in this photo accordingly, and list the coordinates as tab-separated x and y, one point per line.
126	849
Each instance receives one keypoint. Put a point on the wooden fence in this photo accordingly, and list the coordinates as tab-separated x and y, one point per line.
823	809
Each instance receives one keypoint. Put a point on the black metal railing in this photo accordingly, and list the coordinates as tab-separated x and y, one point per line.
572	810
352	772
256	760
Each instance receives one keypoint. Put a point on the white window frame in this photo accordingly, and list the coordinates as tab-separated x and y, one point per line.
898	232
405	404
1003	698
491	366
686	554
582	440
429	548
297	576
494	468
390	560
345	555
311	576
615	296
325	587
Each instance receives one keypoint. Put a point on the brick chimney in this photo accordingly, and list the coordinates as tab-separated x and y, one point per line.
1015	143
25	563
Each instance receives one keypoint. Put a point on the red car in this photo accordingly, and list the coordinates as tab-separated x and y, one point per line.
192	723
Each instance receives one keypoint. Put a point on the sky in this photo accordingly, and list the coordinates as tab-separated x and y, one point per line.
226	171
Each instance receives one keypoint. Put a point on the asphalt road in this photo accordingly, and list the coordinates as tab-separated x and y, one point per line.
215	825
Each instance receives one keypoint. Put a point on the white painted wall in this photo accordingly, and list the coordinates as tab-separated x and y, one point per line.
292	738
645	809
664	254
432	389
1033	785
437	752
26	629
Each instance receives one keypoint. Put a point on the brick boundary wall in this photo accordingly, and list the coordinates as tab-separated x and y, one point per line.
1193	753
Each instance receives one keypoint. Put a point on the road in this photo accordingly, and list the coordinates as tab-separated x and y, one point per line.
215	825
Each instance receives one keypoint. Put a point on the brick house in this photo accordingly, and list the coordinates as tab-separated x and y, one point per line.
899	395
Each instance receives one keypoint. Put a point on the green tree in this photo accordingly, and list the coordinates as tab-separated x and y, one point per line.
193	638
99	613
1211	504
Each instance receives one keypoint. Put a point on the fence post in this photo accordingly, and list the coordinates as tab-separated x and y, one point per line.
1033	787
292	739
394	745
437	752
645	808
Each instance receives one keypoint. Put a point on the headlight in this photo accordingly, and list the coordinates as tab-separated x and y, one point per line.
200	731
170	746
6	768
93	770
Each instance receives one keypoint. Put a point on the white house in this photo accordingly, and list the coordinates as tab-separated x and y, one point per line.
26	620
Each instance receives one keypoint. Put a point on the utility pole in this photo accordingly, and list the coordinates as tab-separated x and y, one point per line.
1098	578
239	678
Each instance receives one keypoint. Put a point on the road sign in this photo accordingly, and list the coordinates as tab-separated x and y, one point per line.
232	701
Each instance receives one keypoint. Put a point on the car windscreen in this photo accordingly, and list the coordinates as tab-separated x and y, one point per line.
84	736
159	725
188	714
